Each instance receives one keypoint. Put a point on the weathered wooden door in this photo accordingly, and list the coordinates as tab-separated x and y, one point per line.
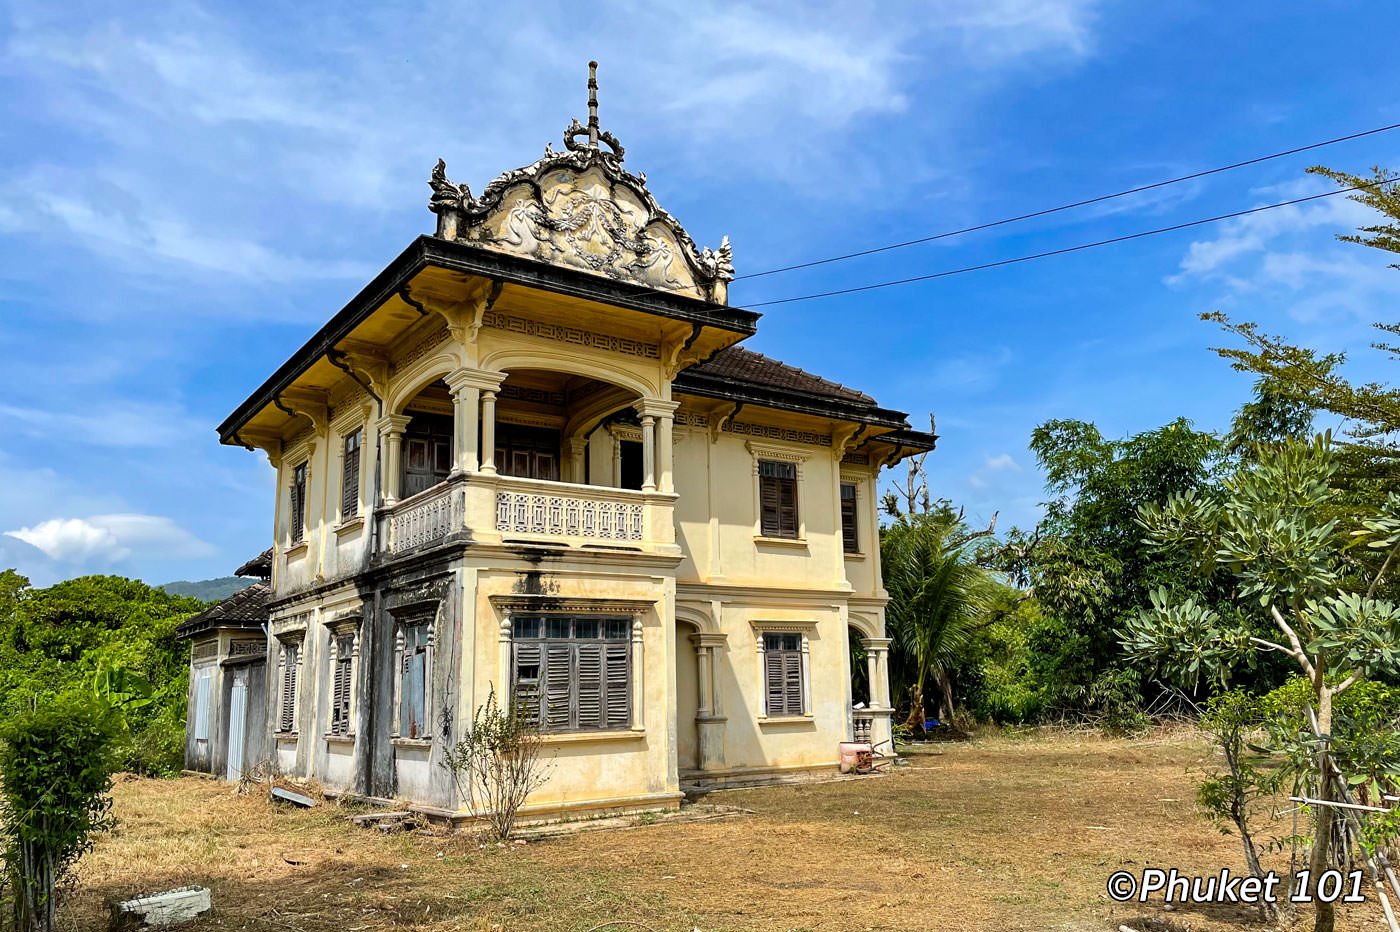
237	722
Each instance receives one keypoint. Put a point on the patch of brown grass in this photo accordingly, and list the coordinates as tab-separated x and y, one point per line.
1004	833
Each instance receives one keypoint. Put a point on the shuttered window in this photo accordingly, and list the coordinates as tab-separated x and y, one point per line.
298	503
413	683
850	538
203	696
777	498
573	673
287	712
341	671
782	673
350	476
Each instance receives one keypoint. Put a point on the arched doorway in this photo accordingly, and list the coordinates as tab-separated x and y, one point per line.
687	699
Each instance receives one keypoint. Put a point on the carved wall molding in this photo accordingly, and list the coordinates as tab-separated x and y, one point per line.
580	208
577	336
771	432
420	349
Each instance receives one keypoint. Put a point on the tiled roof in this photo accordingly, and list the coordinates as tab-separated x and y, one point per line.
246	608
744	365
260	566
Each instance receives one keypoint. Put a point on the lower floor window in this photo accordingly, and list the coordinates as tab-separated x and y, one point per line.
341	671
782	673
573	673
413	682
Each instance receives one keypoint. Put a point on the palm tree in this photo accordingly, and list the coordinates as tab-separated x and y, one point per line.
939	600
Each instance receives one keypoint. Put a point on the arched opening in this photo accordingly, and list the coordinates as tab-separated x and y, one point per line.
557	426
687	698
860	668
426	457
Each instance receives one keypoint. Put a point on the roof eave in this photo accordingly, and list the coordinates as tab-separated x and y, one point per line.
799	402
426	251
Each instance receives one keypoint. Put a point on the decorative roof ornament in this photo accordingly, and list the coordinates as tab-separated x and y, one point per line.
580	208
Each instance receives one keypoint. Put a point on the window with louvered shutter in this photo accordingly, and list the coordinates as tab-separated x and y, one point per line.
350	476
850	539
298	503
777	499
287	717
782	674
573	673
340	685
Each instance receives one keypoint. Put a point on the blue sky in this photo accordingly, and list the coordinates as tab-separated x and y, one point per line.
188	191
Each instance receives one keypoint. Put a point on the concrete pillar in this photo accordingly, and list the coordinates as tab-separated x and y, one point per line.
466	399
488	432
391	428
664	451
709	718
877	659
576	447
648	453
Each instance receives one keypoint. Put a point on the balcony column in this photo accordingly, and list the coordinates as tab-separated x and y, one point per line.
466	402
488	432
657	419
391	428
577	446
648	453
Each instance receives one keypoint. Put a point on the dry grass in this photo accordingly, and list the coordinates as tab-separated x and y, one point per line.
1004	833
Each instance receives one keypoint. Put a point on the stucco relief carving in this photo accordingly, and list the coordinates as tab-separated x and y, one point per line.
580	208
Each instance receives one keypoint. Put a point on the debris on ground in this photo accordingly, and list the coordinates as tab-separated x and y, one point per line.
161	910
279	794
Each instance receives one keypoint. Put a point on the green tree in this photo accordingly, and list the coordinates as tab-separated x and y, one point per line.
1272	528
939	602
55	770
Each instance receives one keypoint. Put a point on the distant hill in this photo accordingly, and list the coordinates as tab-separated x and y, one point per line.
210	590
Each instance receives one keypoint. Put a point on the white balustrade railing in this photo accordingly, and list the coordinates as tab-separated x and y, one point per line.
557	509
862	726
425	518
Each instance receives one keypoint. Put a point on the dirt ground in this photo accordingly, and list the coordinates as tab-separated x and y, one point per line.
1001	833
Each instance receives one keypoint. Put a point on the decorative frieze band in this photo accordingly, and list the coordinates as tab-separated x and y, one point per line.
563	334
420	349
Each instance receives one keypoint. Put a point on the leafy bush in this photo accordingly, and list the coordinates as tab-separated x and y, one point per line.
55	764
496	765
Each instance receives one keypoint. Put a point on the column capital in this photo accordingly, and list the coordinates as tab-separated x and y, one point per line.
876	643
655	407
393	424
709	639
467	377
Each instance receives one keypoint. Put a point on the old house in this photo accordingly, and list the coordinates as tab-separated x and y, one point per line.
530	459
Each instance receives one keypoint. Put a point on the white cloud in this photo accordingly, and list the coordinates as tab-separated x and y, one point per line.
107	423
1001	463
102	540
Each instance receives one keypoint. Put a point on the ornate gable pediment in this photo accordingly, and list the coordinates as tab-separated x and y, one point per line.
580	208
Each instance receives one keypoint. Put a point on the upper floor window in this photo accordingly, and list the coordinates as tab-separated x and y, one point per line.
777	498
850	537
573	673
350	475
298	503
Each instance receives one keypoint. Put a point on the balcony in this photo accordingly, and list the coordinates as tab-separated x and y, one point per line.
494	509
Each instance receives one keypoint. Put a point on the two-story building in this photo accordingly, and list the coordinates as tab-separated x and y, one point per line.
530	459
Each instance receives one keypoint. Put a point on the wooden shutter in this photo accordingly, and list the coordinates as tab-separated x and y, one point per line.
773	680
527	680
413	698
777	499
589	682
289	688
558	680
340	687
299	504
617	665
350	477
850	538
792	683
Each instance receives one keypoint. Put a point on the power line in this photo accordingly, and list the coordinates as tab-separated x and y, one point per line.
1069	249
1063	207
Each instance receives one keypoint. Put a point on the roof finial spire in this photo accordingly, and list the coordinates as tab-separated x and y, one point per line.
593	104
